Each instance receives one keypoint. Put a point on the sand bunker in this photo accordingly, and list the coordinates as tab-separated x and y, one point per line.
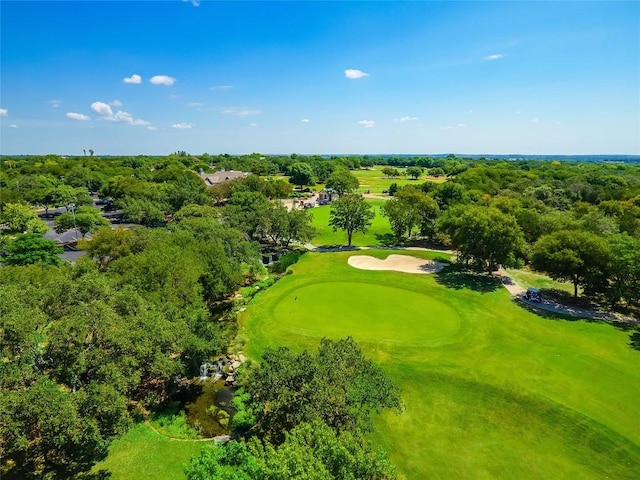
398	263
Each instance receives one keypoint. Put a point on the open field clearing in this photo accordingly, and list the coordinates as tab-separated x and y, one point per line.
378	233
143	454
490	390
374	180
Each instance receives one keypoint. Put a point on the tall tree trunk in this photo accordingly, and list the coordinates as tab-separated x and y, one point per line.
349	234
575	286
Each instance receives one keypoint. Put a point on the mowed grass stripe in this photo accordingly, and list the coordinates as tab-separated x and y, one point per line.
511	395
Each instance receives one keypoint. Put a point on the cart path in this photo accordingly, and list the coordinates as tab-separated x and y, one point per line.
548	305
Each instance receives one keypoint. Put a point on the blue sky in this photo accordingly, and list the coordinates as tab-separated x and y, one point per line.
154	77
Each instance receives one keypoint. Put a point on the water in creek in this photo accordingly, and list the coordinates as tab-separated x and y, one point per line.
208	406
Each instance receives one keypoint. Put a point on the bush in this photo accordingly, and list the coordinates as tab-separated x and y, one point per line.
286	261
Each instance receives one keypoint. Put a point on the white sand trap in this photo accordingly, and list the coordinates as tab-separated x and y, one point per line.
398	263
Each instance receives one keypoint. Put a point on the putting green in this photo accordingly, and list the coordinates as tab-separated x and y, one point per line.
372	309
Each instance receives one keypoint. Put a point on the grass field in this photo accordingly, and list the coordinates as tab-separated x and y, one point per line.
374	180
491	390
527	278
376	235
142	454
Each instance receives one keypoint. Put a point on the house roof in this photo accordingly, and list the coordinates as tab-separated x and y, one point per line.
222	176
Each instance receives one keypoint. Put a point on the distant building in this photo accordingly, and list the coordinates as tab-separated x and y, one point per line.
212	179
327	195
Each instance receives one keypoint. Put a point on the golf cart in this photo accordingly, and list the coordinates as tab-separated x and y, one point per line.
533	295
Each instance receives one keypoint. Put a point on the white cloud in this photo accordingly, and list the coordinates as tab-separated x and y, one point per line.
163	80
102	109
462	125
354	74
105	112
133	79
182	125
495	56
518	112
241	111
116	103
222	87
78	116
253	124
152	128
535	120
305	120
367	123
13	125
195	3
126	117
55	103
405	119
194	104
4	112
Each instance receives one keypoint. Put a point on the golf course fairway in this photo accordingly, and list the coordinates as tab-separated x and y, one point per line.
490	390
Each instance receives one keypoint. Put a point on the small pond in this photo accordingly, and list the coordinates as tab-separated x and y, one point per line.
208	406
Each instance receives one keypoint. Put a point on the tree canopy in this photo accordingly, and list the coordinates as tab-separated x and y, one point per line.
342	181
485	236
301	174
577	256
352	214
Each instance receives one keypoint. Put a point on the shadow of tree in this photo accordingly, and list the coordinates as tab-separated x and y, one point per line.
635	340
459	278
386	239
548	314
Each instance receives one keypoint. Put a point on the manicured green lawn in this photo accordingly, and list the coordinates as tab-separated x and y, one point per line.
377	233
374	180
142	454
490	390
526	278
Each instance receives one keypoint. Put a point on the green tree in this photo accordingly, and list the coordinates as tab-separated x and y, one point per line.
409	209
576	256
300	227
486	236
186	188
45	435
22	218
32	248
448	193
342	181
65	195
301	174
625	269
109	244
311	451
144	211
391	172
352	214
248	212
85	219
415	172
284	226
232	461
337	386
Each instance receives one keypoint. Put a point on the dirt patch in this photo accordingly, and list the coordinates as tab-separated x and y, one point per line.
398	263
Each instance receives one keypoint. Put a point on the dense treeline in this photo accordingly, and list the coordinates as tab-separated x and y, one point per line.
87	347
